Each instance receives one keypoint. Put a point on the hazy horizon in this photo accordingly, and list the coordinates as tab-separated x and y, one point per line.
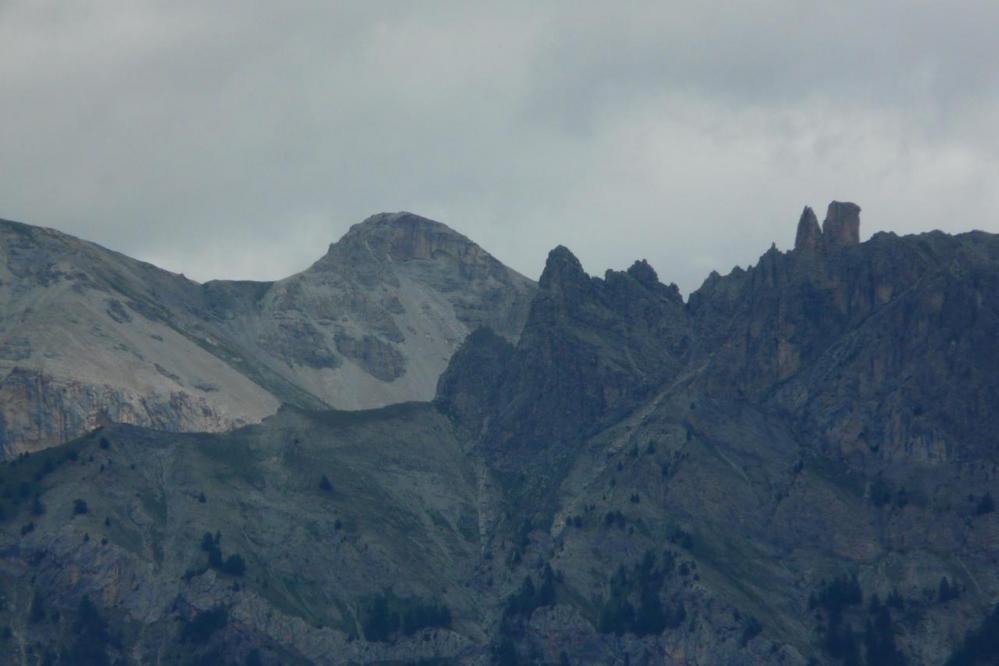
237	142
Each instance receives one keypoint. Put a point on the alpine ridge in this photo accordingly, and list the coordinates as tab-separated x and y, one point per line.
795	466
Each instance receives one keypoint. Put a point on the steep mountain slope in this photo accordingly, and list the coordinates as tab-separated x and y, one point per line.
323	509
827	418
89	336
797	466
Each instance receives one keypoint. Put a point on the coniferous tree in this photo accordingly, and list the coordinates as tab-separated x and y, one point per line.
947	591
234	565
211	545
879	640
204	624
980	646
546	591
90	637
381	621
37	612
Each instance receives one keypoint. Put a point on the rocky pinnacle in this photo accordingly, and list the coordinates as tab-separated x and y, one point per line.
841	228
842	224
809	234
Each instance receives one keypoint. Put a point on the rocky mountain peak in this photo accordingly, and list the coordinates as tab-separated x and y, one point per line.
372	322
809	234
644	273
562	268
841	227
401	237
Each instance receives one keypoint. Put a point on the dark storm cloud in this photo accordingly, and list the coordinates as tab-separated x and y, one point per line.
238	139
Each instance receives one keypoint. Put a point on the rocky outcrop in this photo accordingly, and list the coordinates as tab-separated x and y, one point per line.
562	273
36	409
467	389
809	234
591	351
848	341
841	228
401	237
380	359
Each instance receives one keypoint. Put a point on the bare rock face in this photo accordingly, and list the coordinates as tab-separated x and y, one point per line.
841	228
36	409
379	358
374	322
591	350
467	389
809	234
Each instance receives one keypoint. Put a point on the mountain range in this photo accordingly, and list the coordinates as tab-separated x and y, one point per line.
439	461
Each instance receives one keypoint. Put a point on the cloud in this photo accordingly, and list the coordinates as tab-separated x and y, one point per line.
237	139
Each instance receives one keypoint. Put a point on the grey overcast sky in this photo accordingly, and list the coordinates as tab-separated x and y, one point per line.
238	139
